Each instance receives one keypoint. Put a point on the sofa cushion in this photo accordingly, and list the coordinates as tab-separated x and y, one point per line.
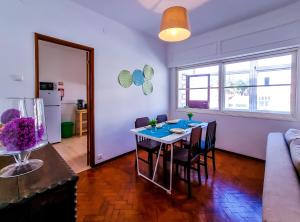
295	154
291	135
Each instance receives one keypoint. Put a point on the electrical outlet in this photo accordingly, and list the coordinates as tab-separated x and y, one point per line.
100	156
18	77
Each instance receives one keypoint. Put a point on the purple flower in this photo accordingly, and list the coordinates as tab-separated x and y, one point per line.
9	115
20	134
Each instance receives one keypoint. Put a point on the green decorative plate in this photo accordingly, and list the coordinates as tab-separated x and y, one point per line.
147	87
125	78
148	72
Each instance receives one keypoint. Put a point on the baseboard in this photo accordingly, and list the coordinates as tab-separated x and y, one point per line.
238	154
114	158
219	149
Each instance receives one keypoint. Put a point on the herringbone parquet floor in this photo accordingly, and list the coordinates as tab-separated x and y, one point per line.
113	192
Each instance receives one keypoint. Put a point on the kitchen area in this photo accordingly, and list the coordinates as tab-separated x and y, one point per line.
63	87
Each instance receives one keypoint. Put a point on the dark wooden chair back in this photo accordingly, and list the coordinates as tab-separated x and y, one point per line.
210	139
141	122
195	141
195	136
161	118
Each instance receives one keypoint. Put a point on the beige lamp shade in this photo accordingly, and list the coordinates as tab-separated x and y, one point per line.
175	25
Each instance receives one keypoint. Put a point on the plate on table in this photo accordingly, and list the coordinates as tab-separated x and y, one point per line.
173	121
177	130
193	124
160	125
148	127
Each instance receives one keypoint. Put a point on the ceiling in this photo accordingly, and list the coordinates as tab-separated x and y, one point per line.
205	15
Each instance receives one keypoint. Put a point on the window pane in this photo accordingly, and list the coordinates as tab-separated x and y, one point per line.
240	79
275	61
181	99
239	67
207	70
198	98
199	94
214	99
182	79
237	98
214	80
198	81
274	77
274	98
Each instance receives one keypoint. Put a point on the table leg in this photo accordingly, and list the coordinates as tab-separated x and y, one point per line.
137	161
157	160
155	170
171	169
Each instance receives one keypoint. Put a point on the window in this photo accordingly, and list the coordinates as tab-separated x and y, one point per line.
260	84
199	88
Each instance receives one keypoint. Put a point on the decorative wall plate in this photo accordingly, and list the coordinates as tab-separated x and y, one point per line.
148	72
125	78
147	87
138	77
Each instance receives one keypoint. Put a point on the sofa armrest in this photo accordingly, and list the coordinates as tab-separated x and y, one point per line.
281	195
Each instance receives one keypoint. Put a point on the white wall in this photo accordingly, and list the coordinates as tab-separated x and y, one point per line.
278	29
116	47
59	63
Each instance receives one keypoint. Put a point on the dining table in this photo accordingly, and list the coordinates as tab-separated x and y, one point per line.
164	133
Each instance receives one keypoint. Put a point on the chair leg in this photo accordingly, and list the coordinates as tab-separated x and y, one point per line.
214	159
135	162
199	172
164	168
205	165
176	169
189	181
150	159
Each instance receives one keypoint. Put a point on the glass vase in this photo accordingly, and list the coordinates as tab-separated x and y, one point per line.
22	130
153	128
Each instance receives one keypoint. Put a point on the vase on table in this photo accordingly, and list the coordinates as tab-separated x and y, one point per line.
153	128
190	116
153	123
22	130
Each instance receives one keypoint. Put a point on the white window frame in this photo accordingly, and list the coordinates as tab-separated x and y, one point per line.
257	114
199	66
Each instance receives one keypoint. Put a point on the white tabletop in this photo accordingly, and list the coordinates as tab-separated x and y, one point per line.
172	138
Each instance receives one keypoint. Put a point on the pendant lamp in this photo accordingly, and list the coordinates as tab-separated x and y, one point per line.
175	25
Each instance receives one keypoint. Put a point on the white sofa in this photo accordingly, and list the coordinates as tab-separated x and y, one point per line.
281	194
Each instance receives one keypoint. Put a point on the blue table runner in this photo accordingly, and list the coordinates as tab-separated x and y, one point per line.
165	130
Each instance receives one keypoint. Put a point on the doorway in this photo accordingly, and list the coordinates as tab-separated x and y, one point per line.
83	107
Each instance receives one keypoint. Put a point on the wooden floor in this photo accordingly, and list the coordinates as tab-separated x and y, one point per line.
113	192
74	151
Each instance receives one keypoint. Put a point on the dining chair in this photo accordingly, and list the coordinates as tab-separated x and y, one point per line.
161	118
208	146
187	157
150	146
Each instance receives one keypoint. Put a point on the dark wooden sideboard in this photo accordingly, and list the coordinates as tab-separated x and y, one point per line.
47	194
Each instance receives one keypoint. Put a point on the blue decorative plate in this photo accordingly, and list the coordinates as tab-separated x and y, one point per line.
138	77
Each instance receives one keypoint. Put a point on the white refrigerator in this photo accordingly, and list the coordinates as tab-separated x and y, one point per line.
52	106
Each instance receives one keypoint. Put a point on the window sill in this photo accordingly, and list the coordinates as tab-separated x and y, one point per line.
257	115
